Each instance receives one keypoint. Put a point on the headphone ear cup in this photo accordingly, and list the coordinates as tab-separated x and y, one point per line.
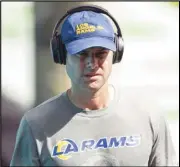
116	53
62	51
54	49
120	48
58	50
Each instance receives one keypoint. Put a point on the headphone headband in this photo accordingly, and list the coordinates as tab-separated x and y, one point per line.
93	8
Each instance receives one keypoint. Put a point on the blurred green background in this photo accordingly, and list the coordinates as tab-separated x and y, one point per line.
29	76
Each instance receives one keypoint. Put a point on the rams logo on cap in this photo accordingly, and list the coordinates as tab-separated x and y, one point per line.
85	28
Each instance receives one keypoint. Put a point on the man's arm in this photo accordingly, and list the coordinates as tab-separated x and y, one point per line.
25	151
163	153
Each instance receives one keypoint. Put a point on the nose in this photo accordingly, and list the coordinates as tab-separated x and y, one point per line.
91	62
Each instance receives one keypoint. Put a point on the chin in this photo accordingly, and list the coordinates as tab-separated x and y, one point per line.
94	86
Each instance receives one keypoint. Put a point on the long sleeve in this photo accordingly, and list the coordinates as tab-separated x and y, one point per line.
25	151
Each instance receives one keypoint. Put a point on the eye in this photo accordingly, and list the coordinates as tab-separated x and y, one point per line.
101	55
83	54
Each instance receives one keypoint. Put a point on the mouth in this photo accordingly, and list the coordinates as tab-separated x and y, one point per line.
91	75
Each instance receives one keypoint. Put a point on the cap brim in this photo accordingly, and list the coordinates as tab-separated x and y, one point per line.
81	44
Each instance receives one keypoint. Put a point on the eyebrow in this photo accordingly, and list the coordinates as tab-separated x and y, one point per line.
99	50
102	49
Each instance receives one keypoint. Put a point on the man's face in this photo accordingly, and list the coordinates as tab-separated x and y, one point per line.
90	68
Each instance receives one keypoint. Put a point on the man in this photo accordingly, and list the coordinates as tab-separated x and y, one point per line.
90	124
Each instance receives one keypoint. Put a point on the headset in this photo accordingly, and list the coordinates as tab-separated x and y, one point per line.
58	49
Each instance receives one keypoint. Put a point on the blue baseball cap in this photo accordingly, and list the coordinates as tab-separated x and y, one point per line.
86	29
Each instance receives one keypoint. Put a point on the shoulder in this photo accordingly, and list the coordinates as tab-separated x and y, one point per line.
141	103
41	116
46	107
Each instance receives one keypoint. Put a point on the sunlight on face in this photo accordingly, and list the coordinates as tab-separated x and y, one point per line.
90	68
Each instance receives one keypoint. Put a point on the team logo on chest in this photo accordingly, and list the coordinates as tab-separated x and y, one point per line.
65	148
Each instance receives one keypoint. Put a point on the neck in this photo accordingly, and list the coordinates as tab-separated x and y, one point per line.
90	100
